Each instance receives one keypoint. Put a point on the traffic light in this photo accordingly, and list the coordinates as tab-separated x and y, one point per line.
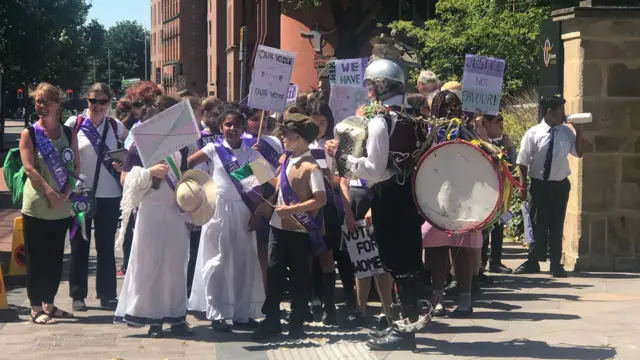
20	94
69	94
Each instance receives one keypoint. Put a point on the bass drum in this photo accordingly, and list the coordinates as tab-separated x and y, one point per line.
459	188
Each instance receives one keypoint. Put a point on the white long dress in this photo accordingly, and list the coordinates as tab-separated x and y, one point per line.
155	287
228	283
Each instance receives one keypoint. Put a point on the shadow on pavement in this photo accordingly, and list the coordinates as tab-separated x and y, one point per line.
513	349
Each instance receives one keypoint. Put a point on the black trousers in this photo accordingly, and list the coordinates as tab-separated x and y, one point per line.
128	241
44	247
292	249
548	207
106	226
194	244
496	235
397	228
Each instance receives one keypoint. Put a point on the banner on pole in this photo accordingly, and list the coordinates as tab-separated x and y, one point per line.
270	79
482	84
363	251
349	72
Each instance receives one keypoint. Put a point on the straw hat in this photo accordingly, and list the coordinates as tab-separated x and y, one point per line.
196	196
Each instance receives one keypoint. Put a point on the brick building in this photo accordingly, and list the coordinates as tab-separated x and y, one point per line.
178	50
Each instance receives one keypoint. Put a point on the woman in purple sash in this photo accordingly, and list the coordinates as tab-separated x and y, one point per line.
48	151
92	127
227	283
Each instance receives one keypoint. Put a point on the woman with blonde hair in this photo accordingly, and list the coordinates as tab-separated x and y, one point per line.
49	154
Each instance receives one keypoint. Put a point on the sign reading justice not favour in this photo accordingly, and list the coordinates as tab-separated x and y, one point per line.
482	84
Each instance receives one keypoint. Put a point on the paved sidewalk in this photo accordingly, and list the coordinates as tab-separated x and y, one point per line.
587	316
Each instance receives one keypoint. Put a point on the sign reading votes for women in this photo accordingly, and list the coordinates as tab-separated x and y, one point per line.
270	79
482	84
363	251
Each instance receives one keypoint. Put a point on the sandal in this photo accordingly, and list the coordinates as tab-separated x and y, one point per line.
56	313
42	318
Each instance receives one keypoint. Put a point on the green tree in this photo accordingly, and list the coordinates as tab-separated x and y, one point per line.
479	27
125	41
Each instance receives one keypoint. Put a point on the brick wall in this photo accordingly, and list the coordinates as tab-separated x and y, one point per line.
602	68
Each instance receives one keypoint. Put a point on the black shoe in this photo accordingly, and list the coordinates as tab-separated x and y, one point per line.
249	325
558	271
355	320
528	267
395	340
316	309
439	311
220	326
79	305
484	279
155	332
330	317
266	330
459	313
109	304
500	269
297	332
380	333
182	330
382	323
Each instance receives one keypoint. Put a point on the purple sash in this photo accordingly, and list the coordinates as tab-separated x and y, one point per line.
51	157
332	196
230	164
92	134
206	138
266	150
313	226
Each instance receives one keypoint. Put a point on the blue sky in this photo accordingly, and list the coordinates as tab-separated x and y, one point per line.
108	12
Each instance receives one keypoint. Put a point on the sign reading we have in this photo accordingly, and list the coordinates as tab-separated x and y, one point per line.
349	72
482	84
270	79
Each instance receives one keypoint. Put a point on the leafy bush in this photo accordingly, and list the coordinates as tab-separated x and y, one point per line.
478	27
520	113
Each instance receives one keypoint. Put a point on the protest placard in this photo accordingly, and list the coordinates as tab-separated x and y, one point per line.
482	84
349	72
165	133
292	94
363	251
270	79
344	100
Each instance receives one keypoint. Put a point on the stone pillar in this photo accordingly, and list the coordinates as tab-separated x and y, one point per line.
602	76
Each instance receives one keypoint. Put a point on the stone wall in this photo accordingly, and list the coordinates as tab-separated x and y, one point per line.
602	76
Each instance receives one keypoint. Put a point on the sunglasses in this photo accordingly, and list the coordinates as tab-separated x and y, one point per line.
96	101
138	104
43	102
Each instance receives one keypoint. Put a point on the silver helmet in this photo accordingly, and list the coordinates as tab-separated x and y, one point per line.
384	70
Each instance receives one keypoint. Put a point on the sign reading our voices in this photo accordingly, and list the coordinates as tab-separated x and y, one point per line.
482	84
363	251
270	79
349	72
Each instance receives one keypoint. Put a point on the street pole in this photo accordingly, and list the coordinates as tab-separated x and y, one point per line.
146	72
109	65
243	61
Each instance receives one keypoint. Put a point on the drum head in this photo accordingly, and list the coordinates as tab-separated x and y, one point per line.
456	188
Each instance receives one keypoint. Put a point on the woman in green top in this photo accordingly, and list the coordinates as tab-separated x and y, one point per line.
46	209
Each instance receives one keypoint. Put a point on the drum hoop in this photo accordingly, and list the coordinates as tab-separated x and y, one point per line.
482	225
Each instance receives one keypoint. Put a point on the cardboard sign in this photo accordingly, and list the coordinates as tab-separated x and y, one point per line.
292	94
363	251
528	228
349	72
482	84
270	80
345	100
166	133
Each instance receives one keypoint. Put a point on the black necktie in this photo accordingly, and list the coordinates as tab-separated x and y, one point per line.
549	157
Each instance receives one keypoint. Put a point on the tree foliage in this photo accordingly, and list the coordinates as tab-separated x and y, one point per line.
480	27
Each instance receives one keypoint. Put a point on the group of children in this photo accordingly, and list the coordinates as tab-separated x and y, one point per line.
257	241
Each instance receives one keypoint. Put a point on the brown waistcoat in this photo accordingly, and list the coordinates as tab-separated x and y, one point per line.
299	177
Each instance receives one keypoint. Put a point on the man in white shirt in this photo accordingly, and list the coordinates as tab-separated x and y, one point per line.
396	221
428	84
543	157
